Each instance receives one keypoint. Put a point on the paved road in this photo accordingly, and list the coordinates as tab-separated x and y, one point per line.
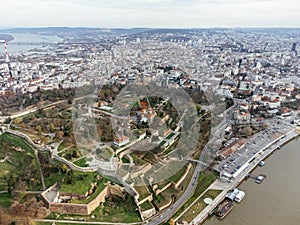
193	183
186	195
83	222
226	186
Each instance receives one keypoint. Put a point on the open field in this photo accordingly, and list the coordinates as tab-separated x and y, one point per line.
81	162
79	182
141	189
199	205
162	199
146	206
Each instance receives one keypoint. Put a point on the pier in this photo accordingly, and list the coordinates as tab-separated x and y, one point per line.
228	184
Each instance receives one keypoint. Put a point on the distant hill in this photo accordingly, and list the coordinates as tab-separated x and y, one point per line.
75	30
79	31
6	37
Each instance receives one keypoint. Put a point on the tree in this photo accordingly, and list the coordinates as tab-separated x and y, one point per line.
18	120
38	128
51	127
76	154
64	168
59	134
7	121
19	188
11	181
172	222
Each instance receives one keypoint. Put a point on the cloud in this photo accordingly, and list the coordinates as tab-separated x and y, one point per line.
150	13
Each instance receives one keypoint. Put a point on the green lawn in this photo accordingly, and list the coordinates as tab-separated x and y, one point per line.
16	141
80	183
141	189
77	183
64	145
199	205
125	160
125	211
81	162
138	160
162	199
68	153
173	172
146	206
170	136
178	175
170	148
105	153
21	162
99	189
162	143
204	181
5	200
115	209
53	178
5	168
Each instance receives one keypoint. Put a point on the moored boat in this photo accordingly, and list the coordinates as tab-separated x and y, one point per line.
223	209
260	178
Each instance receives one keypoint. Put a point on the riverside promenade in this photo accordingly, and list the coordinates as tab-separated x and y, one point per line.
226	185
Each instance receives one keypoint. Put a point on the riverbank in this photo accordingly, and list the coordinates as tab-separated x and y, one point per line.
23	42
6	37
265	152
276	201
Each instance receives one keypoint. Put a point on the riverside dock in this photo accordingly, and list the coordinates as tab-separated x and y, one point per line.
229	182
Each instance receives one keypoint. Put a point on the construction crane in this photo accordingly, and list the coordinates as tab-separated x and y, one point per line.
7	60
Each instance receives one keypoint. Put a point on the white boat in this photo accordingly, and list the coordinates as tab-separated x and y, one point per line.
262	163
236	195
260	179
240	196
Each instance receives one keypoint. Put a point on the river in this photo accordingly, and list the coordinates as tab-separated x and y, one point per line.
274	202
24	42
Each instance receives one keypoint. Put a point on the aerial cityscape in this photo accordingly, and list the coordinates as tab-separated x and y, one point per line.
140	121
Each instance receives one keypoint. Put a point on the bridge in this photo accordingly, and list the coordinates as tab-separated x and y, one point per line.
29	43
203	164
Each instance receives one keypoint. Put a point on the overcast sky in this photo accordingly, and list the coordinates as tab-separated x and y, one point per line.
150	13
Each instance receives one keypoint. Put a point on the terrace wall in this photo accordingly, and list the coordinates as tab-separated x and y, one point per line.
184	176
166	205
158	191
82	209
148	213
66	208
142	171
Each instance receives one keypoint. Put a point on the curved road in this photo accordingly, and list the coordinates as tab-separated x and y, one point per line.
193	183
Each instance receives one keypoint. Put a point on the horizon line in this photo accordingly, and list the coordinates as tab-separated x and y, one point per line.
171	28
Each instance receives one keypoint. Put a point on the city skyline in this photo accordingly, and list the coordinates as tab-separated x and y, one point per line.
151	13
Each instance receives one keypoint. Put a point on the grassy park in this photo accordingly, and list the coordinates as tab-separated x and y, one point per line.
18	163
206	178
199	205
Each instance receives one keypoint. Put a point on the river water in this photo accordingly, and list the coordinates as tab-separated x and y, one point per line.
24	42
277	200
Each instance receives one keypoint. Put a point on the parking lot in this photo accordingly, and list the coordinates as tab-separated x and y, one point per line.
240	159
